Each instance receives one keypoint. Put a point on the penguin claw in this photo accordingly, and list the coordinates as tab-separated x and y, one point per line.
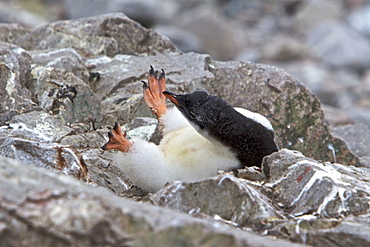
151	71
162	75
152	92
117	140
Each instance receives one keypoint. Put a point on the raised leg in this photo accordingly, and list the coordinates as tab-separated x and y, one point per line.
155	100
152	92
117	140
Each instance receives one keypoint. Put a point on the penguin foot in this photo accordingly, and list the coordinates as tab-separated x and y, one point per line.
117	140
152	92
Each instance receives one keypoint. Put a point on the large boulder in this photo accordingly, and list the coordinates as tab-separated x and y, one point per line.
294	112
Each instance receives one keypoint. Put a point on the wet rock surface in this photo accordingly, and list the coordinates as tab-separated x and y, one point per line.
64	84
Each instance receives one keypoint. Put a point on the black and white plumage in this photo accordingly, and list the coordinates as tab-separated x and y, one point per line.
182	155
248	134
202	135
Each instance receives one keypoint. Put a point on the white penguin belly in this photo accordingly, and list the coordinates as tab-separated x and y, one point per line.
189	156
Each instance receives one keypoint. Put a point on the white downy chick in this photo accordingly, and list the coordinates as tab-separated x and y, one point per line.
183	154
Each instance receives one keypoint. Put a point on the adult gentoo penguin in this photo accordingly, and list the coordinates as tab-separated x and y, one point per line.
202	134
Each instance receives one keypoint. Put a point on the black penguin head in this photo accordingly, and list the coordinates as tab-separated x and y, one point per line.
192	106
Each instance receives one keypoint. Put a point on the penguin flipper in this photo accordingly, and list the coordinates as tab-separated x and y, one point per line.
117	140
152	92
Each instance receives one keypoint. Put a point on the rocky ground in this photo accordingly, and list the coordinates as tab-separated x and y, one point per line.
324	45
63	83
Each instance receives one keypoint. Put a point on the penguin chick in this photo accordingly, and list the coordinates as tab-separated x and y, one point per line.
182	155
189	150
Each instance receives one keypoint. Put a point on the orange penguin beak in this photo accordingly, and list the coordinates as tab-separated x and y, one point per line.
171	96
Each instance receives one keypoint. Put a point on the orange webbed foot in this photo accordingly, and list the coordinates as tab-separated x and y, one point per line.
117	140
152	92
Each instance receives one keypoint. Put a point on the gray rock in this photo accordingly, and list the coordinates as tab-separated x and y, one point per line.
68	212
341	88
119	84
357	138
67	59
293	110
249	54
36	126
313	12
86	8
219	36
141	127
248	11
92	139
311	73
64	95
306	200
232	199
336	116
283	48
51	156
302	186
10	32
330	37
352	231
15	76
109	35
103	172
117	52
123	73
147	12
251	173
360	20
360	114
11	12
184	40
142	11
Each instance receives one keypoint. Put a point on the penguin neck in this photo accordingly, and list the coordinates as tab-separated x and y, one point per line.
204	132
